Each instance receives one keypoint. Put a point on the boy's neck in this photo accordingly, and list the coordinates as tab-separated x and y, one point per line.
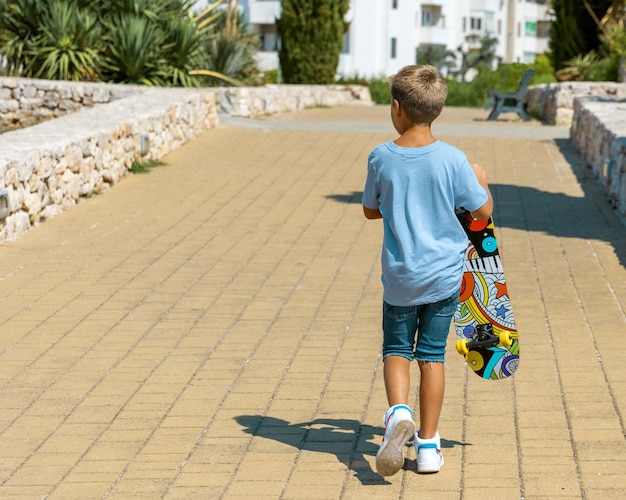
416	136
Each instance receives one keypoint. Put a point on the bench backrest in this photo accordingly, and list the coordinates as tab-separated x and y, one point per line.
523	84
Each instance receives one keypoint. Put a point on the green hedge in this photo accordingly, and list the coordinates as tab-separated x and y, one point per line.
471	94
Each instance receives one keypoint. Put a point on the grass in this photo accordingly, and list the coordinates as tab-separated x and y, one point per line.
142	167
92	193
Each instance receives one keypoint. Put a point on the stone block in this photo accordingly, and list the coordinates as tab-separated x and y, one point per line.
29	91
51	100
94	149
7	106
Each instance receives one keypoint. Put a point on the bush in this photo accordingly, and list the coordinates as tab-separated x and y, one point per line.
379	87
470	94
380	90
604	70
506	78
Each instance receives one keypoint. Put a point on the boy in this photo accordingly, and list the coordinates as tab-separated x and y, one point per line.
414	184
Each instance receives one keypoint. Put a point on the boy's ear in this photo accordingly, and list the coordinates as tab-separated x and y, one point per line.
397	109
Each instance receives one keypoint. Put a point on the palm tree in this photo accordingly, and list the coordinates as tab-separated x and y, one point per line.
228	50
436	55
480	52
66	47
152	42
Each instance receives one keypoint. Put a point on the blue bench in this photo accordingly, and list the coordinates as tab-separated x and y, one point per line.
511	101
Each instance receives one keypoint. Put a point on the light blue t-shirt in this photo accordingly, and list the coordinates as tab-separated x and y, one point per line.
417	190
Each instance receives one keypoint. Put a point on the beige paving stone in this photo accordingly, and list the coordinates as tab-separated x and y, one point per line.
231	342
505	493
267	486
608	494
551	485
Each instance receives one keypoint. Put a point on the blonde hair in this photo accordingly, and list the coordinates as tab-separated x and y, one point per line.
421	92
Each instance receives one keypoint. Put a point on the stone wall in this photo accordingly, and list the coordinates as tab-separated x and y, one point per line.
272	99
554	102
25	101
47	168
599	132
87	135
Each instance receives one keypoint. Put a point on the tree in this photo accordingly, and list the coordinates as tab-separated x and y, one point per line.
151	42
574	31
311	37
479	52
436	55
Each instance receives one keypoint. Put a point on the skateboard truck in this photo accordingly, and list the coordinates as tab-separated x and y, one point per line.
483	337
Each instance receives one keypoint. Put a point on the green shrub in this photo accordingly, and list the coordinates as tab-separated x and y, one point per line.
506	78
469	94
270	76
352	80
379	87
544	71
380	90
603	70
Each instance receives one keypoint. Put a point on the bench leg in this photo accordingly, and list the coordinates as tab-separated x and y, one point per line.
497	109
522	112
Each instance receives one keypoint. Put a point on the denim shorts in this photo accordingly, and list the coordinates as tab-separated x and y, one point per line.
418	332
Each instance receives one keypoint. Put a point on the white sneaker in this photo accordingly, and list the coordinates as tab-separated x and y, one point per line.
399	427
429	457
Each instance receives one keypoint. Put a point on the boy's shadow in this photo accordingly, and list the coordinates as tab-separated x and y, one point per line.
348	440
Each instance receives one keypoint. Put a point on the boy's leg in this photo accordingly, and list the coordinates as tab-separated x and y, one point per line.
399	424
399	327
397	377
430	348
432	388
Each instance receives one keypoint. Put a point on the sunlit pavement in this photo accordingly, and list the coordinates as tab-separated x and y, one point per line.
211	329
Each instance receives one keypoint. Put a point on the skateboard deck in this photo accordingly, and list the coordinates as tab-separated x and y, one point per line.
483	320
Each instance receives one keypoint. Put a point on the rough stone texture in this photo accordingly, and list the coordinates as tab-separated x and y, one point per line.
272	99
554	102
599	131
26	101
87	135
48	167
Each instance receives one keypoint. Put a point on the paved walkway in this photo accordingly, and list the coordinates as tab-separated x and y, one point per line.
210	330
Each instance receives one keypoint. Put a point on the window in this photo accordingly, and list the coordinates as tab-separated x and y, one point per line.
394	4
464	24
269	37
430	15
490	22
476	23
427	17
530	28
393	48
543	29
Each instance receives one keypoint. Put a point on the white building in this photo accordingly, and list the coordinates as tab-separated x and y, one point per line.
385	34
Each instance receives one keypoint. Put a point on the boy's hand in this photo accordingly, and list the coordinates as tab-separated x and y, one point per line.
371	213
486	210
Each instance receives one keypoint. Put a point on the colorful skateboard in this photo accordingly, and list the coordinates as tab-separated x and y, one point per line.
484	320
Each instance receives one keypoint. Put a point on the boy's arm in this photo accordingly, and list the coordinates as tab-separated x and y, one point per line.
371	213
484	212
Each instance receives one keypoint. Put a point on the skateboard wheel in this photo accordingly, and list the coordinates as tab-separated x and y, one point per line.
505	339
475	361
461	347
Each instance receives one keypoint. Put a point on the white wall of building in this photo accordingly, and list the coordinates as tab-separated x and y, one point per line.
384	34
